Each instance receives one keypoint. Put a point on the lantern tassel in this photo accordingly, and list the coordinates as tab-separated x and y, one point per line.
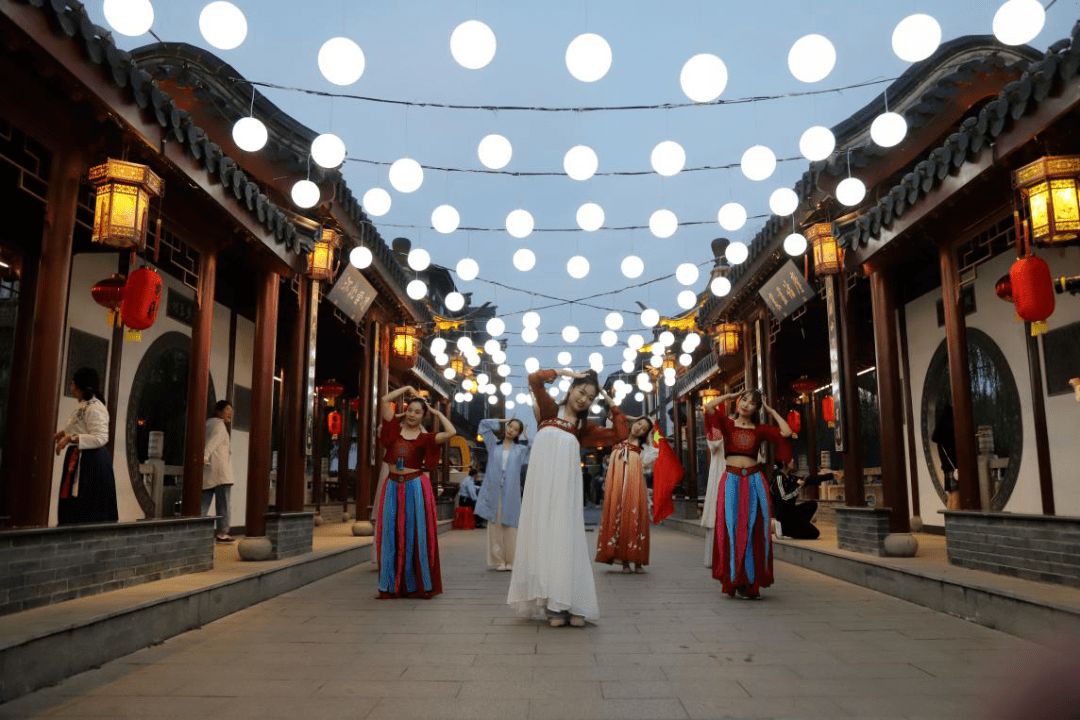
112	318
1038	328
133	335
794	436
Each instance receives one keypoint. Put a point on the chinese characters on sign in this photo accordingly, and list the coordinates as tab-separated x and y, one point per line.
352	293
786	291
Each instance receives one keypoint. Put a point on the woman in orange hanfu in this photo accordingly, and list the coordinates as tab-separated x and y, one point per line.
742	552
624	527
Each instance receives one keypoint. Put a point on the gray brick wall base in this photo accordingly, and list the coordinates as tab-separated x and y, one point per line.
290	534
862	529
1043	548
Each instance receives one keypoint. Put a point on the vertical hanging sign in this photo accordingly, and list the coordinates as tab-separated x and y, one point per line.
833	315
376	372
309	394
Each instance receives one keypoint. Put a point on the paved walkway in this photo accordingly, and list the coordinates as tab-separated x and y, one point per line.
668	646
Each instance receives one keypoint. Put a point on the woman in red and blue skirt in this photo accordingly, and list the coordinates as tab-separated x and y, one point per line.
742	551
407	540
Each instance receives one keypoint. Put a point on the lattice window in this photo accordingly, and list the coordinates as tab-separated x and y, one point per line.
30	157
986	245
178	258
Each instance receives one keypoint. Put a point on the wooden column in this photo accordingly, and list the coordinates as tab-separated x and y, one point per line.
912	454
691	446
1038	408
198	382
45	367
677	429
116	352
291	488
364	469
316	453
893	471
959	380
343	455
262	403
854	494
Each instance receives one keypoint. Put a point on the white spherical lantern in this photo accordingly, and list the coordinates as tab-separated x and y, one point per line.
530	335
504	387
360	257
419	259
249	134
524	259
564	358
732	216
795	244
656	361
638	396
629	353
1019	21
703	78
888	129
580	162
590	217
916	37
495	327
634	342
406	175
628	366
669	380
416	289
663	223
520	223
817	143
687	299
811	58
783	201
530	319
553	392
492	400
685	359
736	253
472	44
758	163
498	356
438	346
691	341
467	269
667	338
454	301
445	219
510	404
464	343
608	338
613	321
305	194
577	267
650	317
668	158
850	191
223	25
376	202
468	384
687	273
495	151
341	61
129	17
570	333
442	359
449	374
328	150
491	346
504	371
531	364
632	266
720	286
468	397
588	57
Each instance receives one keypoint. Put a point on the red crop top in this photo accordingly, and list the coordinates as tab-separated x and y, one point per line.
744	441
593	435
422	451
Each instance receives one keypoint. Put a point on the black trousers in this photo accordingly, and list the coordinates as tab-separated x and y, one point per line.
795	519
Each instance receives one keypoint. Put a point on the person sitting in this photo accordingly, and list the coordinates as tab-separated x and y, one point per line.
468	493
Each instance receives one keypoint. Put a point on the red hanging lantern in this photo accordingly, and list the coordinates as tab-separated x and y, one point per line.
803	386
331	389
109	293
142	297
354	404
1003	288
1033	291
333	423
794	421
828	410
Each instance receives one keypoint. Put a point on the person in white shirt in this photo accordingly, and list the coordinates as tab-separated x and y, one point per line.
87	484
217	468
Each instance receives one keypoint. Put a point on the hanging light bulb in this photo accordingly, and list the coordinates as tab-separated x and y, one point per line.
223	25
438	346
360	257
613	321
888	129
341	61
595	360
732	216
129	17
449	374
328	151
416	289
419	259
445	219
629	352
783	201
530	335
588	57
916	37
590	217
472	44
633	342
795	244
649	317
720	286
577	267
464	343
580	162
758	163
570	333
442	359
736	253
811	58
632	266
498	356
608	338
406	175
667	338
703	78
491	346
305	194
668	158
687	299
850	191
564	358
520	223
530	319
628	366
817	143
376	202
467	269
524	259
249	134
663	223
531	365
1019	21
495	152
687	273
454	301
495	327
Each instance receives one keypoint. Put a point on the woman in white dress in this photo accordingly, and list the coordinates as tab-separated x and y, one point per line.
552	575
717	465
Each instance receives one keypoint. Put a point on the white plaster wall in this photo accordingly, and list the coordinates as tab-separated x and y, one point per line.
997	319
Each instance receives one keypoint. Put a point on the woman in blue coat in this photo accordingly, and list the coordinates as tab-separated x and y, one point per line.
500	495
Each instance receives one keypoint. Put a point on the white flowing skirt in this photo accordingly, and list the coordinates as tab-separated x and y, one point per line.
552	564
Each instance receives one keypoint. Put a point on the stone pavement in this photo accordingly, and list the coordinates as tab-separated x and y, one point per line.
668	646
